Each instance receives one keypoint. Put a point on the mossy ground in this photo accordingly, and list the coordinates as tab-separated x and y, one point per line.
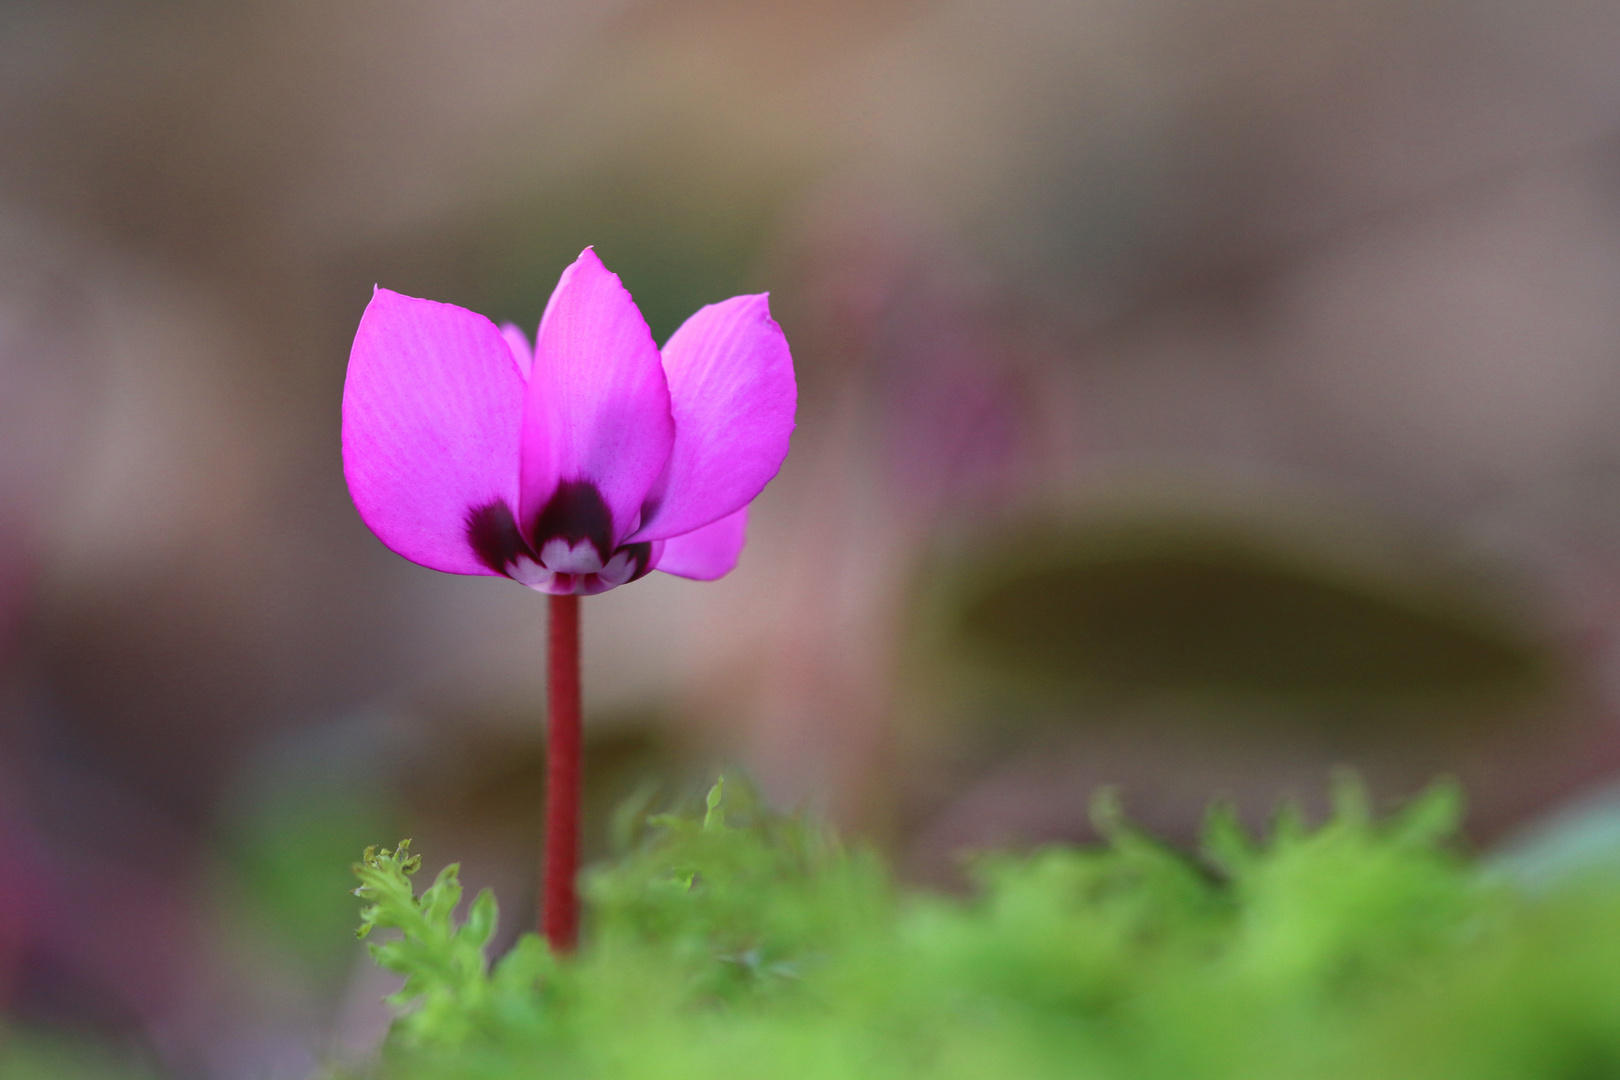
735	943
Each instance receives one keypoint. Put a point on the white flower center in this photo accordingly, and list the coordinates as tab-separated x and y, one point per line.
560	557
526	571
618	570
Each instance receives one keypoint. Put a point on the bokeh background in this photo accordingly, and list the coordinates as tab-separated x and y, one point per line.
1197	396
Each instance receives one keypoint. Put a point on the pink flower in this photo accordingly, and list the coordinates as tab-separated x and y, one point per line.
581	464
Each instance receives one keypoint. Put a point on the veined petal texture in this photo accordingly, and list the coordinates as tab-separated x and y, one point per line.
733	396
707	553
432	418
597	410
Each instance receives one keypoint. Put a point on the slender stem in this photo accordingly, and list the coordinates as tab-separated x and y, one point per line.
559	905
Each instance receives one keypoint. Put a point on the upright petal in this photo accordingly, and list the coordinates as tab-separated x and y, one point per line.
432	417
707	553
733	394
522	351
597	416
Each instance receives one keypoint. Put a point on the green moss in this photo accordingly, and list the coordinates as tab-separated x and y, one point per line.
737	943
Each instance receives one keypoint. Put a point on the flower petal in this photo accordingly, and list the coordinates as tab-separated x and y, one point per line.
522	351
597	410
733	394
432	414
707	553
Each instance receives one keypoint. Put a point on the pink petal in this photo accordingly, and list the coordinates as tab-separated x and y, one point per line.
707	553
432	415
597	413
733	394
522	351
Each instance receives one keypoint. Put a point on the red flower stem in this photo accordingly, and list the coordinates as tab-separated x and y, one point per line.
559	905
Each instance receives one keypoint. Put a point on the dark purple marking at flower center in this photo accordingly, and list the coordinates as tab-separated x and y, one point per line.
575	516
493	533
575	512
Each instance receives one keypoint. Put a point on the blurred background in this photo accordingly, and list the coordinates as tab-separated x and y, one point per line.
1197	396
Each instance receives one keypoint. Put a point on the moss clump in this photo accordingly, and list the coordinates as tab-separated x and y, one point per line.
740	944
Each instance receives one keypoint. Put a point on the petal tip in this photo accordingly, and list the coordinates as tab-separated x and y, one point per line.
756	304
587	267
381	294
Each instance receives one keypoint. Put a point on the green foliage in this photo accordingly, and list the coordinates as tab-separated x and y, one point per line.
737	943
450	996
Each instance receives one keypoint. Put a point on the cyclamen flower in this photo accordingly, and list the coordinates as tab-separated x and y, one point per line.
579	464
